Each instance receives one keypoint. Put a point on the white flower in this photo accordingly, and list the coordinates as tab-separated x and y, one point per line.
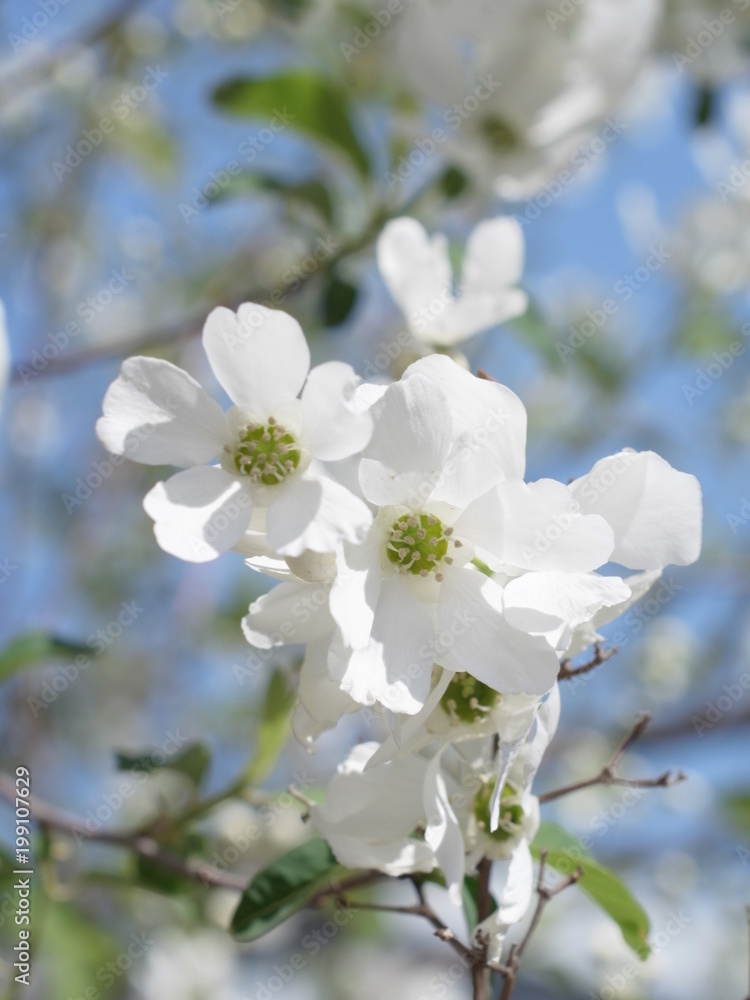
418	273
523	85
410	595
270	444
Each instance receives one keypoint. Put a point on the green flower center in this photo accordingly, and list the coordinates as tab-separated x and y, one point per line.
500	135
467	699
267	453
418	543
511	812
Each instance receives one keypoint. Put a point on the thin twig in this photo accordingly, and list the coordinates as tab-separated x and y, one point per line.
545	894
141	845
601	655
608	774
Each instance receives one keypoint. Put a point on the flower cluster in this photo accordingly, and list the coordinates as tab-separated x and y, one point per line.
426	578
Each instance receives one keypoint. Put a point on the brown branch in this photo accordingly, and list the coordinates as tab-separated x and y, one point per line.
600	656
144	847
608	774
545	894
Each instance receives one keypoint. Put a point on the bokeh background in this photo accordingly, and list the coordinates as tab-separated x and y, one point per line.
133	244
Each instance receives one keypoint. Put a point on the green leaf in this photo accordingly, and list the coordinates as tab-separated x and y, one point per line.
151	875
308	194
470	901
339	299
35	647
284	887
600	884
273	728
453	182
75	946
737	810
310	103
193	762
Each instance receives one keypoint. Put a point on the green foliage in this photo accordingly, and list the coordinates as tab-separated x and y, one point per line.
33	648
77	950
273	728
193	762
315	106
470	901
600	884
339	299
311	194
736	808
283	888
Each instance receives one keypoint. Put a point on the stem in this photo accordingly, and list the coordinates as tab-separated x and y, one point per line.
608	774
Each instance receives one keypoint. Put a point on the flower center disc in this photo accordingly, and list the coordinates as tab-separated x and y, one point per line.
267	453
511	812
418	543
467	699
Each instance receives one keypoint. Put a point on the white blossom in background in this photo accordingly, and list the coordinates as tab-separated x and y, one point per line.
270	444
523	85
418	272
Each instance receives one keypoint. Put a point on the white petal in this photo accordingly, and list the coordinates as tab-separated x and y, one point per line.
536	526
314	512
322	702
260	356
494	257
356	589
586	634
512	886
443	832
411	440
656	512
471	314
489	430
289	613
155	413
415	268
395	668
199	513
334	428
557	603
485	645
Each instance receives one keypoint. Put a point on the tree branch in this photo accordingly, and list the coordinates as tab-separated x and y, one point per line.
144	847
545	893
601	655
608	774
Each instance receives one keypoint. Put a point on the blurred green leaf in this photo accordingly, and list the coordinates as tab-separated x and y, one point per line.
35	647
273	728
470	901
736	808
310	103
453	183
151	875
193	762
600	884
284	887
76	948
310	194
339	299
